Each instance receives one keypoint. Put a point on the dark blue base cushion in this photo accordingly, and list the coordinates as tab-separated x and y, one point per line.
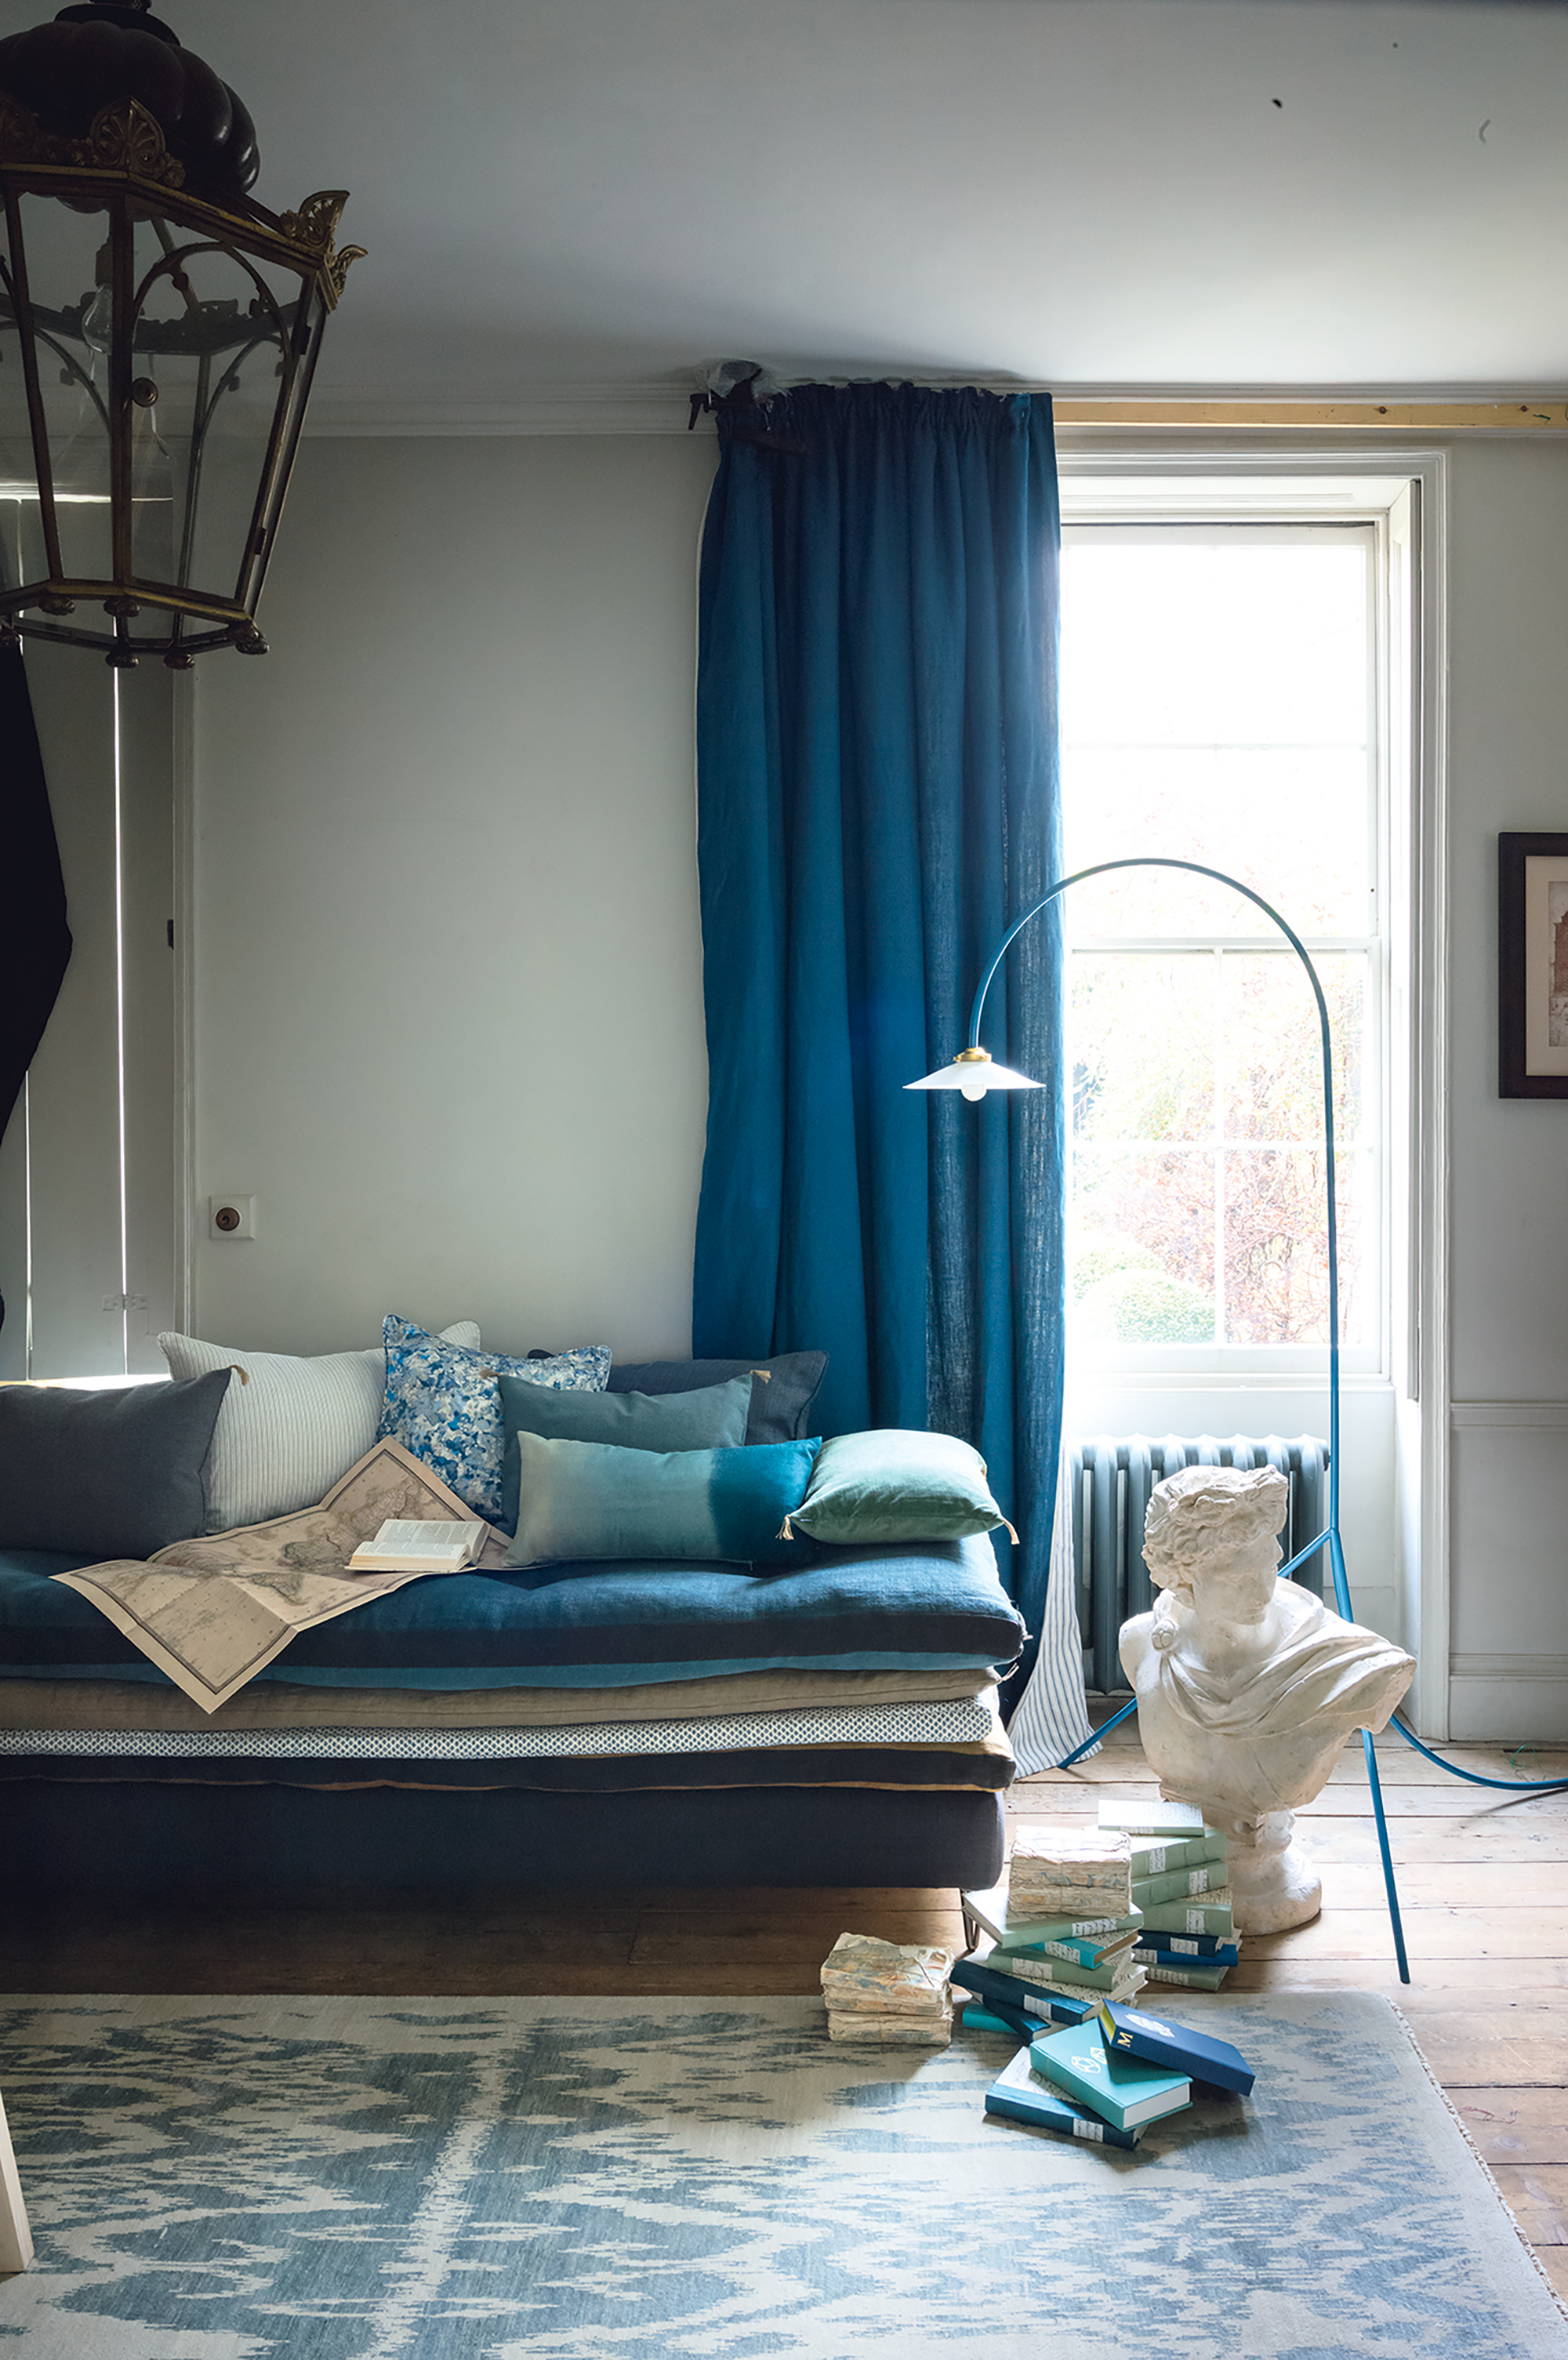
935	1606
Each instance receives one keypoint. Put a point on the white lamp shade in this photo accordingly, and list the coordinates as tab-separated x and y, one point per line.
974	1075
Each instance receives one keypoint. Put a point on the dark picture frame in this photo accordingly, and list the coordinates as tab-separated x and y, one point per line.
1533	963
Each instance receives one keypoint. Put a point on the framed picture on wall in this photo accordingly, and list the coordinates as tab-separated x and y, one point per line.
1532	967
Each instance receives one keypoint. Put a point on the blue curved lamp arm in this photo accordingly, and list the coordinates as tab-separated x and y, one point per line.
1196	869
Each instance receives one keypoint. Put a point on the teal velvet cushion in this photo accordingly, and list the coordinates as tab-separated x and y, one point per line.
712	1419
595	1502
896	1485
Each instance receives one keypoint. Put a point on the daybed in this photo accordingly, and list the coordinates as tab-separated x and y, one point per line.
828	1721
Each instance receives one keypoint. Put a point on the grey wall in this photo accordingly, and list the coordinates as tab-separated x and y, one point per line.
1508	769
448	1022
448	971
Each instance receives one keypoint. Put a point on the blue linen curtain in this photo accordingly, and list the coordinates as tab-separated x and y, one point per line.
878	797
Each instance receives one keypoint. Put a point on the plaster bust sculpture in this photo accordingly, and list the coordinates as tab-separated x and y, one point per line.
1248	1685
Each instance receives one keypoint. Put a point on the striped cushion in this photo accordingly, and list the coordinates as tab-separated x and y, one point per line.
291	1429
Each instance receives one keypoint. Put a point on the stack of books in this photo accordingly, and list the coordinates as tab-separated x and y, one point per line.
1064	1919
1105	2079
1180	1886
894	1993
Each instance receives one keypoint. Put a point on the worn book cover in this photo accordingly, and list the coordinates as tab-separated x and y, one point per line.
863	1971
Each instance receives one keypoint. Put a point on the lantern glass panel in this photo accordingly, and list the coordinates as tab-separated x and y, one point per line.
213	333
67	264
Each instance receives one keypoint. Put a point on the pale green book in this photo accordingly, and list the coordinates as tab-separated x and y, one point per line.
1158	1855
1149	1892
1117	1974
1160	1968
1211	1914
1157	1819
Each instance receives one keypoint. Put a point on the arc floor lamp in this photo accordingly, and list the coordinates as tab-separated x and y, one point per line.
974	1072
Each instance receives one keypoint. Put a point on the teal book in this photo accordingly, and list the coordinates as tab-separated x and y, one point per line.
1183	1884
1077	1950
1158	1856
1018	2095
1209	1915
990	1910
1119	2089
1110	1976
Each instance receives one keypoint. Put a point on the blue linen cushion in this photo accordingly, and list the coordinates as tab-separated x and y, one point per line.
592	1501
112	1474
936	1607
443	1405
781	1396
711	1419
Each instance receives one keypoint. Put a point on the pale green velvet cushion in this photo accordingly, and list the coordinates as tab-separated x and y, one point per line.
592	1501
893	1484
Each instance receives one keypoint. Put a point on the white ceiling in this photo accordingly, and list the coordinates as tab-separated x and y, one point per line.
1089	194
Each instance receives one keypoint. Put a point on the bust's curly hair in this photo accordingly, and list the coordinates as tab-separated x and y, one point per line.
1190	1509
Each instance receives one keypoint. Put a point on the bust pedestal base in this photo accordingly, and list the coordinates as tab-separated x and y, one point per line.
1273	1882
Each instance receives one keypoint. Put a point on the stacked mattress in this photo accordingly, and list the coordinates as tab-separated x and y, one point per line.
870	1669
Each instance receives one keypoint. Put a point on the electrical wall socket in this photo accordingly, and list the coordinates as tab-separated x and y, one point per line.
230	1217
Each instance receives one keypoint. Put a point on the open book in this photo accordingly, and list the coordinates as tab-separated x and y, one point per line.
419	1545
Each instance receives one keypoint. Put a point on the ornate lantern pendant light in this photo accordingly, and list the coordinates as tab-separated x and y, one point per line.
158	333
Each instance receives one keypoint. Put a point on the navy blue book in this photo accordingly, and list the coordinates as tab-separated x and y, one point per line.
1031	2000
1019	2096
1155	2040
1183	1950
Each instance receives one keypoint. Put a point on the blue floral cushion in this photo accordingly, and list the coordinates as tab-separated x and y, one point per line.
443	1404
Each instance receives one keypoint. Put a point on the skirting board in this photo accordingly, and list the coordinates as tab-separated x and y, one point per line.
1508	1708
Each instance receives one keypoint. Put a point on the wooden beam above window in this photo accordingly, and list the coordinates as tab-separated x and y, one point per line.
1403	417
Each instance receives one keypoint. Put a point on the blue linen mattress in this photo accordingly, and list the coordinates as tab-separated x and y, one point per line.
931	1606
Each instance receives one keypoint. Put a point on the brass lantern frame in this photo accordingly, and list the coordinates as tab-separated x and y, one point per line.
122	169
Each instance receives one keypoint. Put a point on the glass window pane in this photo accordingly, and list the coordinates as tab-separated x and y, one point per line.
1276	1247
1272	1045
1142	1034
1291	823
1143	1246
1161	637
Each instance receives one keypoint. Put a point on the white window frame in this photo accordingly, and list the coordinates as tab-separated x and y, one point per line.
1239	1362
1107	476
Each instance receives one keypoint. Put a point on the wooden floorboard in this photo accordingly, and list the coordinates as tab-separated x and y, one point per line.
1481	1879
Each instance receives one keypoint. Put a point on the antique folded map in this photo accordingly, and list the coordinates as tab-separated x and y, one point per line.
212	1613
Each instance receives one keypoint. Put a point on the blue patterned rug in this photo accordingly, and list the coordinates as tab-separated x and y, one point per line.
647	2179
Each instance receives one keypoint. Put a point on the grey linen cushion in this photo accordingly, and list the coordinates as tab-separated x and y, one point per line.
710	1419
781	1396
106	1474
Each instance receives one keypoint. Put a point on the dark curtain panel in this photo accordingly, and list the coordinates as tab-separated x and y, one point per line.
878	798
35	941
